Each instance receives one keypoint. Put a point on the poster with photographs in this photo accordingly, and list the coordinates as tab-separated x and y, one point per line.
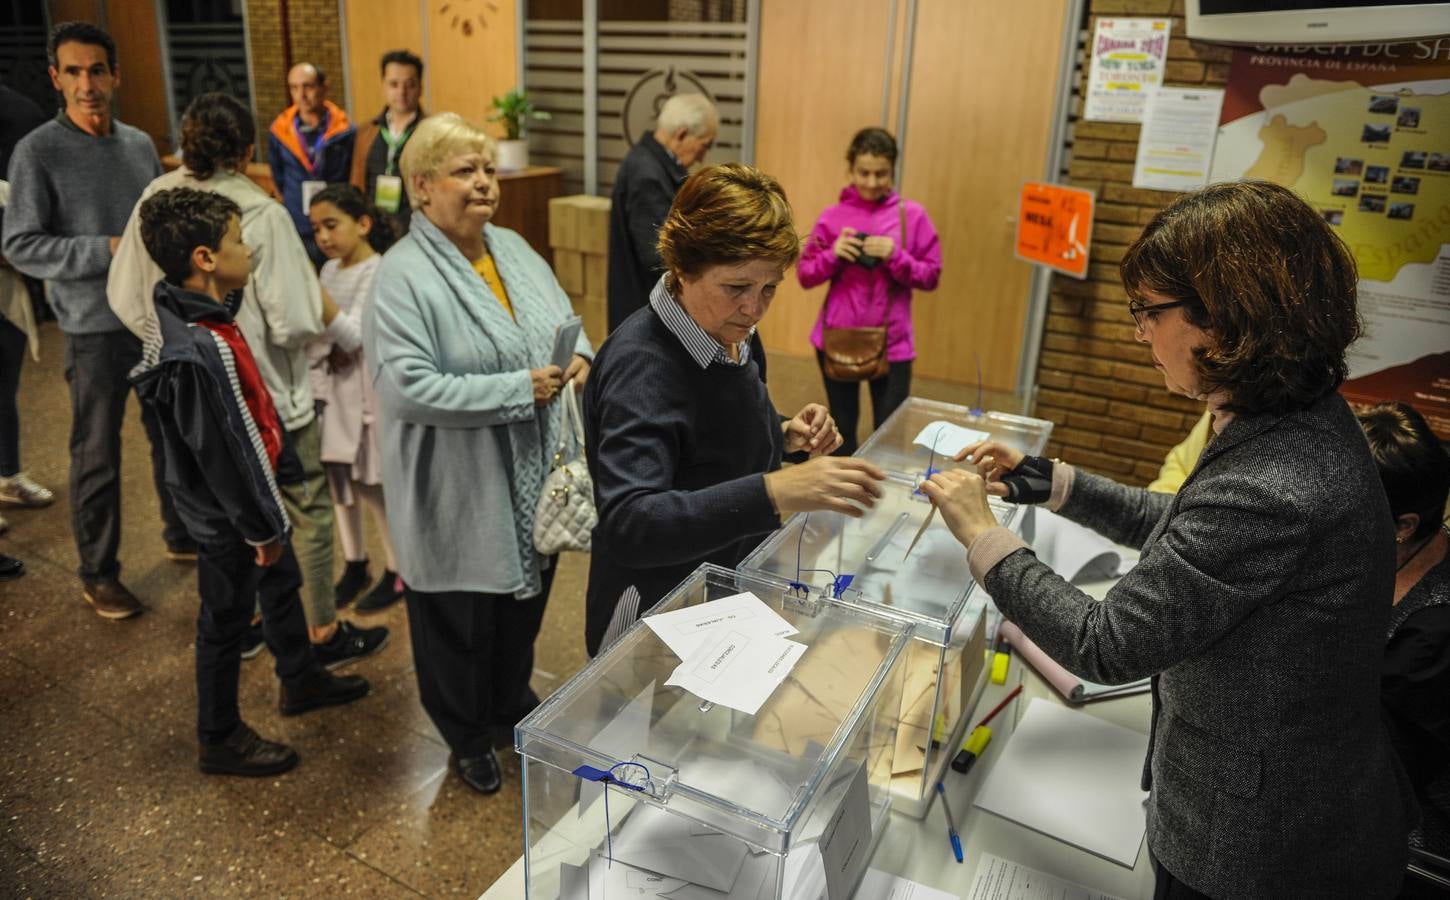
1363	133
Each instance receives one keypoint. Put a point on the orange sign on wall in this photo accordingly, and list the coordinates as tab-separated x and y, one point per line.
1055	226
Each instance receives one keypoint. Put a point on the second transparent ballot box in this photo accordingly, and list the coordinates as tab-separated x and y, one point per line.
894	446
635	787
864	561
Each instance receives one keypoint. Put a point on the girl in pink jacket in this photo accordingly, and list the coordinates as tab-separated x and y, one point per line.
873	263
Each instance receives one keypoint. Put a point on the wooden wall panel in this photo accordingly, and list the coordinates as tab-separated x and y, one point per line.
979	119
823	67
373	28
470	62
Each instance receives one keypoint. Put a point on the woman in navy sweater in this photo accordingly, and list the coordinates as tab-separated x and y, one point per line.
683	442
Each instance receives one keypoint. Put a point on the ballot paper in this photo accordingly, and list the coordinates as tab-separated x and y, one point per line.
685	630
879	885
1002	879
1073	777
566	338
662	844
738	669
948	439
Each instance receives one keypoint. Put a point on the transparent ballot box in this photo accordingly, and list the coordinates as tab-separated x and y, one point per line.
637	788
865	562
893	446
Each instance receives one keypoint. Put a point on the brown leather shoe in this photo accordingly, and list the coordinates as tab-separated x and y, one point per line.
110	599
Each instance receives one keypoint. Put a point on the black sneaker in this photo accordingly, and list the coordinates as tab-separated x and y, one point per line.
385	593
245	753
320	688
10	567
354	579
253	642
348	643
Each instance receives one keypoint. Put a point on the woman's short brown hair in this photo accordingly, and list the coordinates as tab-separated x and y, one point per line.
1272	285
727	214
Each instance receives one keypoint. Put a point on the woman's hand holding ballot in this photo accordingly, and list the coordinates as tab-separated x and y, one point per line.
835	483
961	496
1009	474
813	430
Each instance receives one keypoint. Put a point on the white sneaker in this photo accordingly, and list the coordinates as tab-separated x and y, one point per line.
20	490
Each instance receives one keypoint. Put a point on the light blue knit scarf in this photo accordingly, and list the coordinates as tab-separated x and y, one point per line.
507	344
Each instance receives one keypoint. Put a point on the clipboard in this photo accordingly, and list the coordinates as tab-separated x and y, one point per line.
566	336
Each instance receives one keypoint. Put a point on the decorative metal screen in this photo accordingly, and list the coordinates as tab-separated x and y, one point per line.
207	57
639	65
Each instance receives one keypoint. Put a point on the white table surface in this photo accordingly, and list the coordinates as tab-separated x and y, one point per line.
918	849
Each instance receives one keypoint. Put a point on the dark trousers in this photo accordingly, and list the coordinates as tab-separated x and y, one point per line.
473	654
231	585
1168	887
844	397
96	367
12	354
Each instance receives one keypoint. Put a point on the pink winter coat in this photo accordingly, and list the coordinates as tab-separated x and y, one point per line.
858	296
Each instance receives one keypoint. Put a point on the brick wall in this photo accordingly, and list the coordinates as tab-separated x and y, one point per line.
316	37
1096	382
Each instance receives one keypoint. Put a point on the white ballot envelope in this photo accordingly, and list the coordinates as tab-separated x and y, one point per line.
662	843
684	630
948	439
737	669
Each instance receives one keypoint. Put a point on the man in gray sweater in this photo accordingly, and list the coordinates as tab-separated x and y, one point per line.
73	182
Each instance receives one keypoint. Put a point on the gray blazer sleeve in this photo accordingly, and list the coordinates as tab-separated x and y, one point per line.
1223	553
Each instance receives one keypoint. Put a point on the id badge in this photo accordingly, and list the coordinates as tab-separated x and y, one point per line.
310	189
388	193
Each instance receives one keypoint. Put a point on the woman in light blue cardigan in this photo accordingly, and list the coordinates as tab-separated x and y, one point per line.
459	334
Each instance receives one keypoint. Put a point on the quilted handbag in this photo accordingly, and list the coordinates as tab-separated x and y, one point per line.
566	517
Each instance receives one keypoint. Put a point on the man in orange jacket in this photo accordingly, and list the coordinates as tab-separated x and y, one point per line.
308	147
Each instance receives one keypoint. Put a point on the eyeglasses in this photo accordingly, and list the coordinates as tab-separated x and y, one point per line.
1138	310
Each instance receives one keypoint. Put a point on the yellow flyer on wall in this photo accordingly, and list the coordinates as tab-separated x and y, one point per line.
1363	133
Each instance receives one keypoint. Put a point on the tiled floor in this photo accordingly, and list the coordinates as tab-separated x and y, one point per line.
99	792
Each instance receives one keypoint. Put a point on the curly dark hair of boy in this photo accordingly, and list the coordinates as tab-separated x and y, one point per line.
175	222
80	33
872	142
351	202
1268	281
216	131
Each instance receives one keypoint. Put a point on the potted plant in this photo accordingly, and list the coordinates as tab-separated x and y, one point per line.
514	110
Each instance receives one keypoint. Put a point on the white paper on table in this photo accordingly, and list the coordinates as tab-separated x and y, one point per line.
1073	777
879	885
1175	147
947	438
684	630
661	843
1073	551
1002	879
738	669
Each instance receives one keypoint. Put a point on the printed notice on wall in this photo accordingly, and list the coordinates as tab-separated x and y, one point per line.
1175	149
1127	57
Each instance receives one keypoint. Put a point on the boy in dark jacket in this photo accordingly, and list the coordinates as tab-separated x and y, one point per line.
224	450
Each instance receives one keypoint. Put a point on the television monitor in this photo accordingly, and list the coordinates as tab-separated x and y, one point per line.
1315	21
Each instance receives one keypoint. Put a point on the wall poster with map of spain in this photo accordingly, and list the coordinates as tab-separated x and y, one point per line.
1363	133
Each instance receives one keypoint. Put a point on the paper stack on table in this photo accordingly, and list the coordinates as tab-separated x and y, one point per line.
733	650
1002	879
1073	777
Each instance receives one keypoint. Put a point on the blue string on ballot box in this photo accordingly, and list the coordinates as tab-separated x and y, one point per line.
839	583
607	777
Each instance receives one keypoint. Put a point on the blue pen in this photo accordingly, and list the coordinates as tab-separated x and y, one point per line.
951	827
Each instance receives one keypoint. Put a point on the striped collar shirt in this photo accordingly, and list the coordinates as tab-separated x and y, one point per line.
702	348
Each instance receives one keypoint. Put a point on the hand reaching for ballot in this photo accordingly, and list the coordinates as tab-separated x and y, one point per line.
838	484
993	459
812	429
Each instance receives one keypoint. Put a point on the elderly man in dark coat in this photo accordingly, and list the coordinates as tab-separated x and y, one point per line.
644	188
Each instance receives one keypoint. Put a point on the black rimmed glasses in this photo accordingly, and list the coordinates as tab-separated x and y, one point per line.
1139	310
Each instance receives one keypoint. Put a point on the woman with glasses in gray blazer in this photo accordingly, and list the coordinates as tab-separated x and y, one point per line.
1262	597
